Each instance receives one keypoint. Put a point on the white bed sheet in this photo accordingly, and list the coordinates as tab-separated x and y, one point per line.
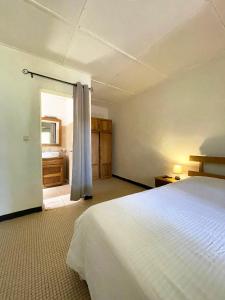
166	243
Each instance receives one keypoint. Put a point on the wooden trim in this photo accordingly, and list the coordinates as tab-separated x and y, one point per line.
195	173
48	185
147	187
206	159
201	167
20	213
53	119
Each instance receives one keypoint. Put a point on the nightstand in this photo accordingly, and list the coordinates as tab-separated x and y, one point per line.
161	180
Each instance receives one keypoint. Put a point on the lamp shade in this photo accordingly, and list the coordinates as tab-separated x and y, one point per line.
177	169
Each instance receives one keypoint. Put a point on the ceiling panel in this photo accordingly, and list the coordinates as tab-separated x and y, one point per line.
220	7
136	78
134	24
69	9
198	40
93	56
25	27
102	92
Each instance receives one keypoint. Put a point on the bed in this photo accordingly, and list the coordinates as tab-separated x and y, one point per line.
165	243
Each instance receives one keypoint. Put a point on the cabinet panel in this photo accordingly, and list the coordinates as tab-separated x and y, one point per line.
106	170
101	148
105	155
95	124
95	155
105	125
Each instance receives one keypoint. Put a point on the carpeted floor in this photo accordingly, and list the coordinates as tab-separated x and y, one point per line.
33	249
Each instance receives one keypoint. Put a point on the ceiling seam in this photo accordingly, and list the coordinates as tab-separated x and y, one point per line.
165	36
61	18
74	31
112	46
113	87
222	23
48	11
93	35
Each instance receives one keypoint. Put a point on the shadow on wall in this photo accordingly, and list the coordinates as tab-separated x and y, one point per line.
214	146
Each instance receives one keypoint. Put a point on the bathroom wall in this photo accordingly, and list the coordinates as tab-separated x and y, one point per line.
61	107
20	151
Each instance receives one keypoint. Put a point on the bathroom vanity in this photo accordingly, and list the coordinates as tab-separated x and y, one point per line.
53	171
53	163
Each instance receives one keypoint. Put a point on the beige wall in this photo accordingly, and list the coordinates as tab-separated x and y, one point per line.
20	162
99	111
182	116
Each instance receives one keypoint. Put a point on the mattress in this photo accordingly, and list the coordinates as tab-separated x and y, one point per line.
165	243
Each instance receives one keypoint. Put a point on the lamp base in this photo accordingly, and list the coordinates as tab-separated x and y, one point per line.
177	177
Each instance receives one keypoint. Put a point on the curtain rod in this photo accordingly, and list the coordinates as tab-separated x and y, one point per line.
32	74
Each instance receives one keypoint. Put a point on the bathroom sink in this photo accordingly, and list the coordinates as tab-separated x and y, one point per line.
50	154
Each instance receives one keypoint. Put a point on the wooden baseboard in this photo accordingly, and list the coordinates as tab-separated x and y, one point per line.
20	213
147	187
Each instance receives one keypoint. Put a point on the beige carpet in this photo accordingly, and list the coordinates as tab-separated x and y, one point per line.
33	249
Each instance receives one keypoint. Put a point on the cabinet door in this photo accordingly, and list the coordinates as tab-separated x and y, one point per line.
105	125
95	155
105	155
95	126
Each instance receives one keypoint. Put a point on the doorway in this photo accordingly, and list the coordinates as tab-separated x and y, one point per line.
56	143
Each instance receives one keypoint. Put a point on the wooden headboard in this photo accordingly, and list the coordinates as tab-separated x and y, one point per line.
206	159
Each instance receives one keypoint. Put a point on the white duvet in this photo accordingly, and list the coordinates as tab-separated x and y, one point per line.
166	243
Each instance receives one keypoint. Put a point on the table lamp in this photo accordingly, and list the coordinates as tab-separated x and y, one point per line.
177	169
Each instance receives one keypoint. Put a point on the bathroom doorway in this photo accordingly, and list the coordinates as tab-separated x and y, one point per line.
56	143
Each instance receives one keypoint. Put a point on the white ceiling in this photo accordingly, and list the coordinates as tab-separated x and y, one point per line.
126	45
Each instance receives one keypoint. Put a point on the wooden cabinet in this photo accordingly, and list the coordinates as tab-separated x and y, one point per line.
53	171
101	125
101	148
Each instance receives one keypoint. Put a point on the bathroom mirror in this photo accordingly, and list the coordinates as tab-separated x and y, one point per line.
50	131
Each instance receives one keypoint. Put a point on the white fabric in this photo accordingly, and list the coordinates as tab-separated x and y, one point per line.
166	243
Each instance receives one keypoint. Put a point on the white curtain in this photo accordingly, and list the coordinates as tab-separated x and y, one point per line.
81	168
